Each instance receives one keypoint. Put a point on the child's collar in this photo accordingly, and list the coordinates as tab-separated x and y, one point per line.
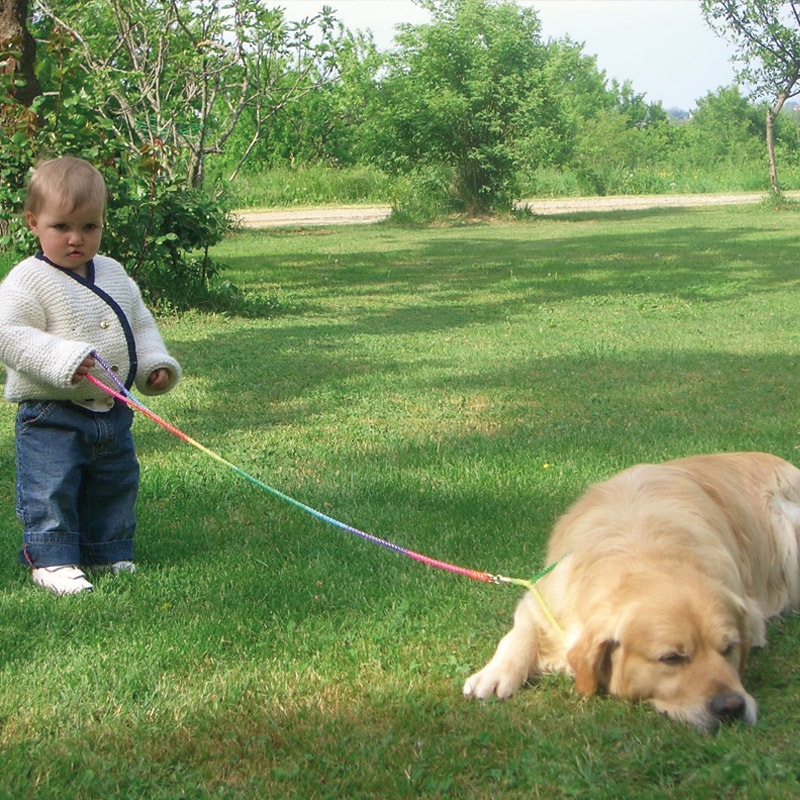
89	268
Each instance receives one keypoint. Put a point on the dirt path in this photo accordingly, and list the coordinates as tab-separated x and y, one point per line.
304	217
355	215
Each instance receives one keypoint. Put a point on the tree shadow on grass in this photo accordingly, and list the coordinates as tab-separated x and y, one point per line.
693	262
470	485
597	384
270	588
277	390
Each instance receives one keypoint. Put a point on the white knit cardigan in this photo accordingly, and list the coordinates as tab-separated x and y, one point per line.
51	319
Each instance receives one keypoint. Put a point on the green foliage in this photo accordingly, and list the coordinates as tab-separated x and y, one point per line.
425	194
318	126
311	184
767	36
156	226
186	74
580	86
586	135
720	149
726	127
162	231
469	113
463	91
608	147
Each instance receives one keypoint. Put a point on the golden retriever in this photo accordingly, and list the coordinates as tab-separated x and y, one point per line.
667	576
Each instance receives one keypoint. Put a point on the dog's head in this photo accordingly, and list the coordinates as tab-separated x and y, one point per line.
677	641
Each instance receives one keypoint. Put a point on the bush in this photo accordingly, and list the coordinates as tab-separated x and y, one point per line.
160	230
425	194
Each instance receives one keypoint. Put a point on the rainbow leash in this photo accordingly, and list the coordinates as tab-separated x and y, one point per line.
124	396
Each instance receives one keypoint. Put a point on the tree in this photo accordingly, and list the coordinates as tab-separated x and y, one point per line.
18	50
157	228
727	128
581	90
180	74
319	126
465	91
767	35
19	88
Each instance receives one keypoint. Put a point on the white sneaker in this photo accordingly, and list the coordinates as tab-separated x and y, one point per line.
115	568
62	579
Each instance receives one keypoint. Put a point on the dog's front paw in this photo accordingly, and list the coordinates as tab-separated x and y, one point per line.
492	680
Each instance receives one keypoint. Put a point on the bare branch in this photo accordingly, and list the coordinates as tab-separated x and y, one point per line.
185	73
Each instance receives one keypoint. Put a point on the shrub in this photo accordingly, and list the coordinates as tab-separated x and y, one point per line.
159	229
425	194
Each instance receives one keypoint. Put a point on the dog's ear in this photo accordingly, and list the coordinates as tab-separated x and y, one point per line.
590	660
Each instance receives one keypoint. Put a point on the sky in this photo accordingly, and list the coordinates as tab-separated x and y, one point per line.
664	47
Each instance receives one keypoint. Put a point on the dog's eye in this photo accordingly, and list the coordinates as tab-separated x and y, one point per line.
673	659
729	649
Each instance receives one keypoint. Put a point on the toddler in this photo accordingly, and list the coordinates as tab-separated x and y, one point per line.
77	472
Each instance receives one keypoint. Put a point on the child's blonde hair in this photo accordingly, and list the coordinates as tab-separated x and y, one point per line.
71	181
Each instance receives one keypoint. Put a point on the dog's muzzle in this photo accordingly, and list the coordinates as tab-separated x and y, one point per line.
727	707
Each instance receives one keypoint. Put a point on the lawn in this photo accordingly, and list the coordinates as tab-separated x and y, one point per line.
451	389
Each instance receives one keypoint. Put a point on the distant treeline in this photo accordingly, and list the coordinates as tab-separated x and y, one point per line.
476	107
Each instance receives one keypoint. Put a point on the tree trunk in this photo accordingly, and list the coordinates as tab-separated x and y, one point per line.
772	114
773	166
14	35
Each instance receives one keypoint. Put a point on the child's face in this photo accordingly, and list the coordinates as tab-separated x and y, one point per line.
70	239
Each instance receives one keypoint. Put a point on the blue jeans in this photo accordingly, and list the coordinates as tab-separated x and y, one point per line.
77	481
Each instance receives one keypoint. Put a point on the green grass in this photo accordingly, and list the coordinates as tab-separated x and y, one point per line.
451	389
311	185
667	178
426	190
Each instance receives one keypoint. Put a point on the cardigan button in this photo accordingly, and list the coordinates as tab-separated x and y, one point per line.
104	323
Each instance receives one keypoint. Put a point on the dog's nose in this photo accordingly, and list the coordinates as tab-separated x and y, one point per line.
727	707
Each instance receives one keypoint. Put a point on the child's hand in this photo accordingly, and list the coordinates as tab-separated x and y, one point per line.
83	369
159	378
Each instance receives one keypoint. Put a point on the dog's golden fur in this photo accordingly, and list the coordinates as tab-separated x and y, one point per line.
668	576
